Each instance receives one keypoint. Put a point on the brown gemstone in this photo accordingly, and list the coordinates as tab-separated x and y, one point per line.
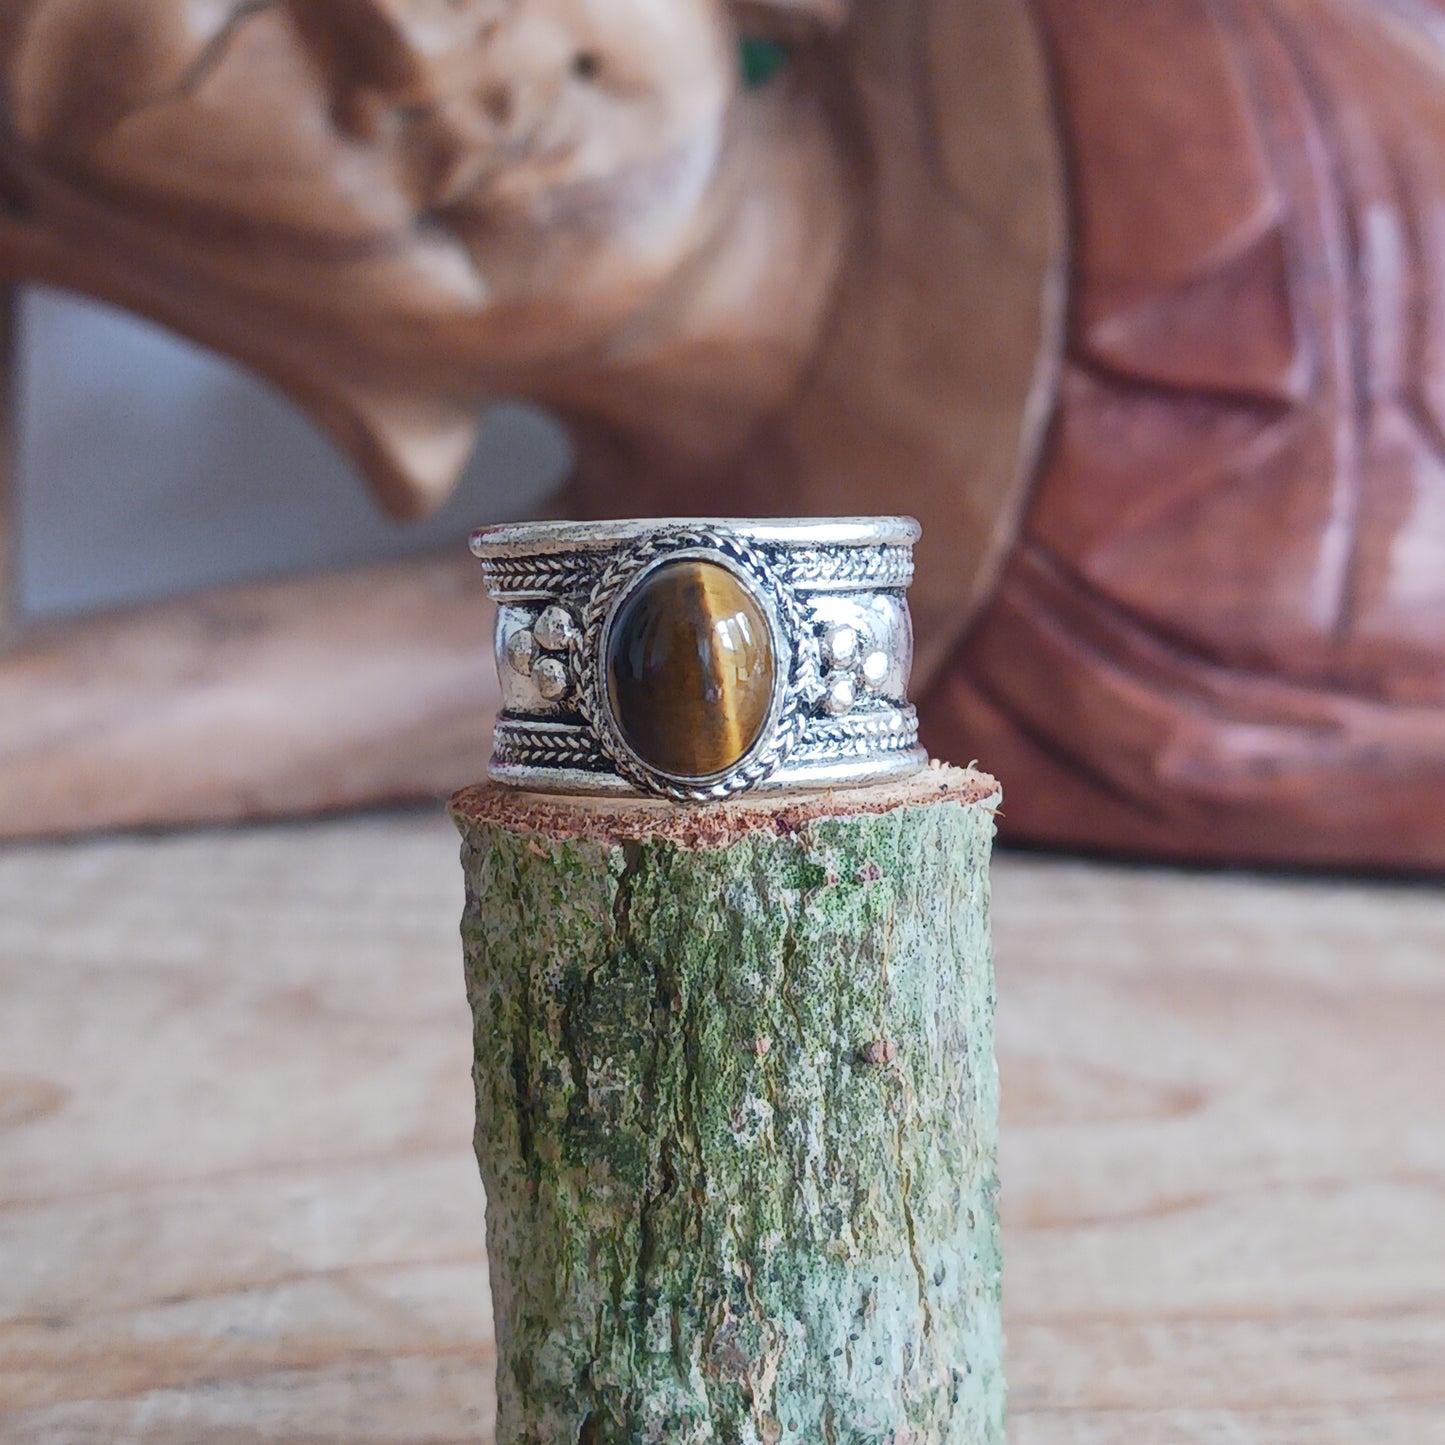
690	670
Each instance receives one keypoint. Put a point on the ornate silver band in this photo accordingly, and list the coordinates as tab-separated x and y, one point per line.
695	659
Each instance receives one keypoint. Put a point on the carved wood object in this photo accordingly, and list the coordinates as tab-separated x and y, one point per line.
1133	303
1221	632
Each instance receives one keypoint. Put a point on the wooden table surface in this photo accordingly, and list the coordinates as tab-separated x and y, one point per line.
237	1202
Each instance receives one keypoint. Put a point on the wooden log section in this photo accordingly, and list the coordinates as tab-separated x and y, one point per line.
737	1115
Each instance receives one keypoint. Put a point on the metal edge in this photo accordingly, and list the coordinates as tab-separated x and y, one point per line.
512	539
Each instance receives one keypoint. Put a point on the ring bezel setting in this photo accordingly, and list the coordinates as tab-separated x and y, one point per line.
609	602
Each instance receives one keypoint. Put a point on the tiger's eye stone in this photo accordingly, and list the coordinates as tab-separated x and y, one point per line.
690	669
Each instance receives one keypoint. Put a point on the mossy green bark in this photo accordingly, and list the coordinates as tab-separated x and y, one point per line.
736	1117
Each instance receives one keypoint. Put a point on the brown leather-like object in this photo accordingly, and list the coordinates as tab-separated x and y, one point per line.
1183	577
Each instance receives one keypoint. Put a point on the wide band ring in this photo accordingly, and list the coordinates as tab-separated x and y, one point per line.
695	659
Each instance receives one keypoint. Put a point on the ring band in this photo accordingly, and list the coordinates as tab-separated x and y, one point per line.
697	659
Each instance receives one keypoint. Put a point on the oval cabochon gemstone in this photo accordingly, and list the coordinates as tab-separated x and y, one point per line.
690	669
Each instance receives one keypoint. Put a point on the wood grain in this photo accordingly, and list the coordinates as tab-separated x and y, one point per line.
284	698
237	1199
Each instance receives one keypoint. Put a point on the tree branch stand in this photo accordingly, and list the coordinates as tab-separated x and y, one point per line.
737	1115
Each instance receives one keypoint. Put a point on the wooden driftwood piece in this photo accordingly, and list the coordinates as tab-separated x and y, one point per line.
737	1115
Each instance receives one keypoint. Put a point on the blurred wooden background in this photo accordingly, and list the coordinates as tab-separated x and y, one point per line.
237	1200
1136	304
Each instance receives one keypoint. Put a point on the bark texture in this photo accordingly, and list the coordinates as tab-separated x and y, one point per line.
737	1117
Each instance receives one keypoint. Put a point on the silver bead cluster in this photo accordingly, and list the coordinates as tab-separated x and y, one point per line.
855	667
541	652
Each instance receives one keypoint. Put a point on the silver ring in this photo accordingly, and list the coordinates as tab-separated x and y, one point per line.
695	659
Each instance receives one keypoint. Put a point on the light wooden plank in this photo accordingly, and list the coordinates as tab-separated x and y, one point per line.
237	1202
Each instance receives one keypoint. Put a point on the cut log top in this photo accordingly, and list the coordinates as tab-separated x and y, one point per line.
714	825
